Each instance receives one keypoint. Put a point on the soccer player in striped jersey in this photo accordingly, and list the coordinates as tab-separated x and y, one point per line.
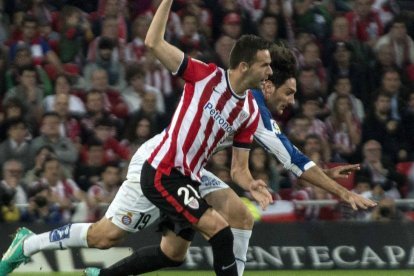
131	212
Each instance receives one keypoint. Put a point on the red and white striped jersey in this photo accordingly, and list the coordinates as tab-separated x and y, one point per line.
208	112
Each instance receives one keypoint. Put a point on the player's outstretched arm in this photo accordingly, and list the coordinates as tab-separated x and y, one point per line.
342	171
317	177
169	55
241	175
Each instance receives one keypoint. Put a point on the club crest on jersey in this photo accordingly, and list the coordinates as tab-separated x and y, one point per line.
193	203
243	115
216	115
126	219
275	127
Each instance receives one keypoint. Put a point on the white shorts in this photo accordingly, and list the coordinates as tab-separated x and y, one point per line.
132	211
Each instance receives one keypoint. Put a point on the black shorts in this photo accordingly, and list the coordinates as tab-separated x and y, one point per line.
178	198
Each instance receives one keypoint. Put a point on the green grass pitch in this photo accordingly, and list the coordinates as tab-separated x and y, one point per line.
257	273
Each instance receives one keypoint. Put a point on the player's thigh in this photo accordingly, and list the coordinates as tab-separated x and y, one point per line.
130	210
230	206
223	199
174	246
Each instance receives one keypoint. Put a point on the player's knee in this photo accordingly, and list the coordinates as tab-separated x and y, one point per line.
175	254
246	219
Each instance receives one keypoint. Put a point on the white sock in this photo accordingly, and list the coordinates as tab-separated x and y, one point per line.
67	236
240	246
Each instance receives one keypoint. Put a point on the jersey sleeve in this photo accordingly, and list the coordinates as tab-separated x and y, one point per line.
193	70
244	137
270	137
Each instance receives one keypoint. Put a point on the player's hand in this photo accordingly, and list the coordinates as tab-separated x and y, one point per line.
342	171
357	202
260	193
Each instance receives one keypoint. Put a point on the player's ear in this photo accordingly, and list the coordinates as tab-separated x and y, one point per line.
244	66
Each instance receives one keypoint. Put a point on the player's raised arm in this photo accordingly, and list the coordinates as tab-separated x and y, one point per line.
169	55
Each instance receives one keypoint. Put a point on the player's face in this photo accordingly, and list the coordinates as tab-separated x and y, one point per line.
260	70
278	98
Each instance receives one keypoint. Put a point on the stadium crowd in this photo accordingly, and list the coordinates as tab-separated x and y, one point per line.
79	94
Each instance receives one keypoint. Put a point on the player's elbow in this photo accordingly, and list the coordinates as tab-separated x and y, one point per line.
151	42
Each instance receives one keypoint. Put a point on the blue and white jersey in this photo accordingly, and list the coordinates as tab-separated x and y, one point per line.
269	136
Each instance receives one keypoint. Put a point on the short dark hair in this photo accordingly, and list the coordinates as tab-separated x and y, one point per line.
30	18
14	122
50	114
283	64
28	67
246	48
106	43
132	71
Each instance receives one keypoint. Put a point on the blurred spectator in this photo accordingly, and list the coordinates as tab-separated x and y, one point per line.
28	91
365	23
114	69
159	77
386	211
391	85
313	108
42	209
222	47
260	165
63	86
232	25
341	32
309	85
61	190
298	129
134	93
113	101
22	59
203	15
3	71
41	51
384	59
379	125
138	131
16	146
135	49
312	16
158	120
311	57
342	87
33	174
65	150
402	44
380	170
110	31
95	110
191	40
343	65
344	130
114	9
12	191
407	122
70	126
91	164
114	150
268	27
75	32
313	144
103	191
